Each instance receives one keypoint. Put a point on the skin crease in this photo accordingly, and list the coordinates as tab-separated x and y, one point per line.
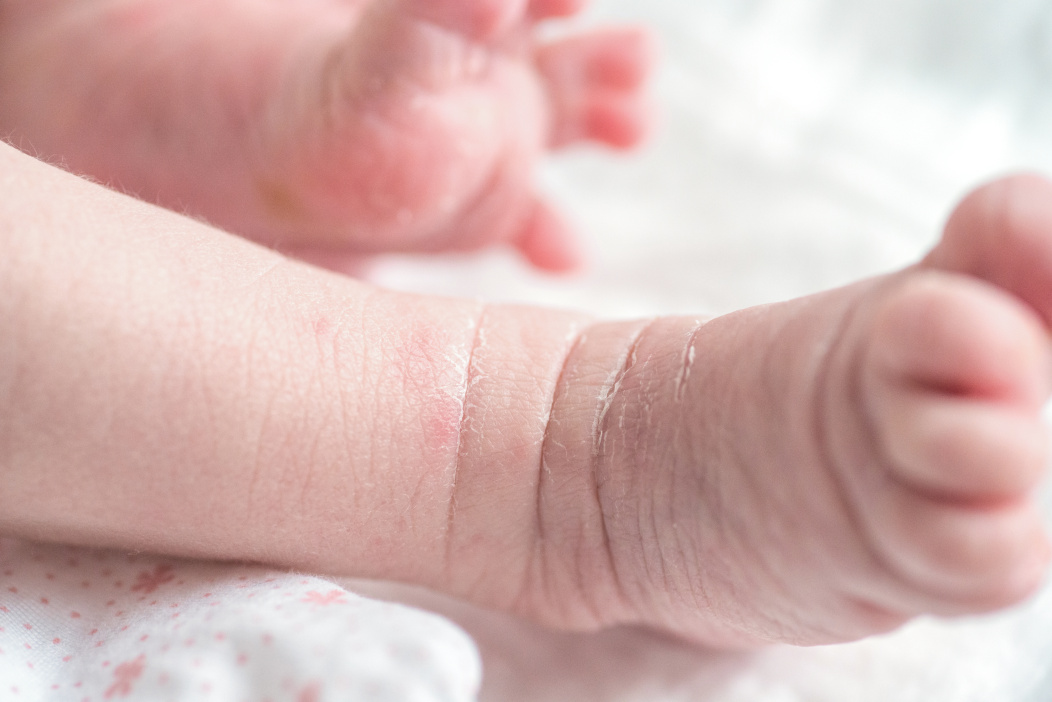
806	472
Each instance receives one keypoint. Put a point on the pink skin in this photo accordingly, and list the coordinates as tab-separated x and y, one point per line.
809	472
331	128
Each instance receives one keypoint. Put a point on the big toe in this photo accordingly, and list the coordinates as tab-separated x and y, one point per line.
1002	233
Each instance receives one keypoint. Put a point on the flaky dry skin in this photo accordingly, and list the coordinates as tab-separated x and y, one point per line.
328	127
811	471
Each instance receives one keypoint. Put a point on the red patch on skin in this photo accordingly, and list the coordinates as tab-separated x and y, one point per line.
418	355
425	358
442	416
322	327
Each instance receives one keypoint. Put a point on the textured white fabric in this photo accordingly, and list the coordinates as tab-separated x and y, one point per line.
90	626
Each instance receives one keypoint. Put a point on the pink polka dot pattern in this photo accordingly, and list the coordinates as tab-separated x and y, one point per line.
91	626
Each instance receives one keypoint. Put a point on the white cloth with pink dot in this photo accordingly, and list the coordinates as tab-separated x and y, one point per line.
88	626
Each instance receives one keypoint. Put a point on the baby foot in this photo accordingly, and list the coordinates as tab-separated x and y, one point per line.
326	128
953	376
421	128
824	469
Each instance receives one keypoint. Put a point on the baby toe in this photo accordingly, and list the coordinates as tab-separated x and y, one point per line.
595	87
958	372
612	58
962	337
607	118
955	560
960	450
1000	233
548	242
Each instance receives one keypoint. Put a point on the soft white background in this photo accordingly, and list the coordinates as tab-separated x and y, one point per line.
803	144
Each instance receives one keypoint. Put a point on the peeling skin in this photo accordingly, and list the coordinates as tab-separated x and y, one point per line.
516	363
467	363
610	391
687	363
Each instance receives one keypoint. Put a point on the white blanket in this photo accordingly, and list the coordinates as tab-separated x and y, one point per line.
804	143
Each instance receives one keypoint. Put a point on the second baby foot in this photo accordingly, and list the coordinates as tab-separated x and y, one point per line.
421	129
325	128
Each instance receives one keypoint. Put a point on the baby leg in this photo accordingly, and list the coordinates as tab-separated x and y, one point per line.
811	471
167	387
